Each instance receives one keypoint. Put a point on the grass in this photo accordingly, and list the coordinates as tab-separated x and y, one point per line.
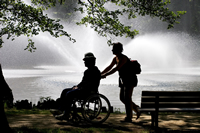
14	111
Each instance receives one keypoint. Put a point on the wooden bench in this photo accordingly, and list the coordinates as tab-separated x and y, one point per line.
169	101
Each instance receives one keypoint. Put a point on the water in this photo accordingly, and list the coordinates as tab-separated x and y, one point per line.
48	81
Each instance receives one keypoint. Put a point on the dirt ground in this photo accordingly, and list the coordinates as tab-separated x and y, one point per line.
179	122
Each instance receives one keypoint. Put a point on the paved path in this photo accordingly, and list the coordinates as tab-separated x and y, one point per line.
166	122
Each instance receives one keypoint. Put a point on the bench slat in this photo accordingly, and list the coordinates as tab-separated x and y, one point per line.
170	93
172	99
171	105
170	109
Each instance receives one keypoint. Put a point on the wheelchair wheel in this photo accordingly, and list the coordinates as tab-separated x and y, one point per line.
96	109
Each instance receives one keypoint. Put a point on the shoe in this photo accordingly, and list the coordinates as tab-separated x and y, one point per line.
126	120
62	117
56	111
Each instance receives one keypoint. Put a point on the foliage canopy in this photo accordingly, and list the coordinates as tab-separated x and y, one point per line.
18	18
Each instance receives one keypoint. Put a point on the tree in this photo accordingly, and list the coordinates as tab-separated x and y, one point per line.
64	11
19	18
107	22
192	17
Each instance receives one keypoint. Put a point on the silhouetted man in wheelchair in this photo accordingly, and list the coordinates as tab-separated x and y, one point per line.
89	85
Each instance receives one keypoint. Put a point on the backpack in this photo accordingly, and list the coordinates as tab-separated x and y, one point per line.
135	66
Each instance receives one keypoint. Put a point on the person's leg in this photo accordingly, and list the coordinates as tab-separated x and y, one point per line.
128	101
67	102
63	96
126	96
123	100
60	103
129	104
121	95
69	97
135	107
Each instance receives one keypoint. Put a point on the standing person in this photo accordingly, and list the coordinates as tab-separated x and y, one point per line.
89	84
127	81
5	94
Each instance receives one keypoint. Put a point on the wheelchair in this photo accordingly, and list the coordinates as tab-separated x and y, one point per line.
94	109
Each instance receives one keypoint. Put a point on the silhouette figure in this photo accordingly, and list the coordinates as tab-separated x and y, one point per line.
127	80
5	94
89	84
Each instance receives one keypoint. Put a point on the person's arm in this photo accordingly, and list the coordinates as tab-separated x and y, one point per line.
107	69
118	66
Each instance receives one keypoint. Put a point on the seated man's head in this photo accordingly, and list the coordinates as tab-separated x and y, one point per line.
89	59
